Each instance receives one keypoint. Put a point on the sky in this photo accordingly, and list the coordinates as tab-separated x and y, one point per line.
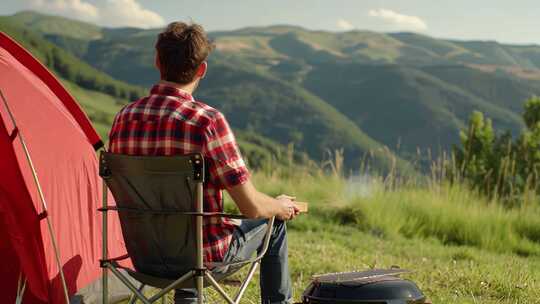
501	20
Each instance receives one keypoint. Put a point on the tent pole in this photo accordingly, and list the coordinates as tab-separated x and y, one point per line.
41	196
21	287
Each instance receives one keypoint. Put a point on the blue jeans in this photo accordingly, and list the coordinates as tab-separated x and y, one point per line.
247	239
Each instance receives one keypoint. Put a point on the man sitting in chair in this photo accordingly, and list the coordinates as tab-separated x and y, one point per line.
170	121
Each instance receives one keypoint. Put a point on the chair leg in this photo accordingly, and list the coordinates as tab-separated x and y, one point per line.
133	298
200	289
218	288
129	285
173	285
104	246
245	284
199	275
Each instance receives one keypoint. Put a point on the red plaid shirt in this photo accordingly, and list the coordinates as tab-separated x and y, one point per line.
171	122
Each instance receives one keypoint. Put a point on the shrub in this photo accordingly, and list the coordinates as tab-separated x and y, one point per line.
497	165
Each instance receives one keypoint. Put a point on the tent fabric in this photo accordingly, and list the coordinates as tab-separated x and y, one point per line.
61	142
48	79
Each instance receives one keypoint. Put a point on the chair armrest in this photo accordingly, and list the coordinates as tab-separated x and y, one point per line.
220	214
266	243
102	263
206	214
232	263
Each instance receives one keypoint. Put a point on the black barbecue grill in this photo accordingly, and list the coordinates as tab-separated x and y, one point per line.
377	286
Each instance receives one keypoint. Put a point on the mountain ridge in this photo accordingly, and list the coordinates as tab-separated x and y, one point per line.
390	89
352	139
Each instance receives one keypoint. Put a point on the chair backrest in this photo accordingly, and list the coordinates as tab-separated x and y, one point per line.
151	193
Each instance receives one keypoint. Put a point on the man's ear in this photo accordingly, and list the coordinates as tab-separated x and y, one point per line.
201	72
156	62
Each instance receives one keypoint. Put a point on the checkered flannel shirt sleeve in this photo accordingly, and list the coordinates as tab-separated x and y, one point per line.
227	168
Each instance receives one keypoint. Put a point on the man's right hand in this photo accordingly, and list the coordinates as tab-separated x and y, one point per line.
288	209
254	204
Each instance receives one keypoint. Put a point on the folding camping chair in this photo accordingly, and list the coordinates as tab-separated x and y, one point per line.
159	200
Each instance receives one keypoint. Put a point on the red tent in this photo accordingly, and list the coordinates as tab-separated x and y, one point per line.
61	143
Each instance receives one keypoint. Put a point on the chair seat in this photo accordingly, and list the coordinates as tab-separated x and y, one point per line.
157	281
160	282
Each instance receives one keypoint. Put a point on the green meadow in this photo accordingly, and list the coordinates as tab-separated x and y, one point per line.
460	247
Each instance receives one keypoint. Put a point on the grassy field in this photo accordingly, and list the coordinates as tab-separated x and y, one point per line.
461	248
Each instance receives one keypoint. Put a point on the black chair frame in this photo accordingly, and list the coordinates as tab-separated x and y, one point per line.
201	273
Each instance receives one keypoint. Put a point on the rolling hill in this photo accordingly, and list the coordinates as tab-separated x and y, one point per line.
404	105
333	129
356	90
67	65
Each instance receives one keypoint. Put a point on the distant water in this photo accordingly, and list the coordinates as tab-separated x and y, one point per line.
360	186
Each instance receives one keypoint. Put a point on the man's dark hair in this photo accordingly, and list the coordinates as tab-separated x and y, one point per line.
181	48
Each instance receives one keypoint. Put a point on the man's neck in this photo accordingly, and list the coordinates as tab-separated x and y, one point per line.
188	88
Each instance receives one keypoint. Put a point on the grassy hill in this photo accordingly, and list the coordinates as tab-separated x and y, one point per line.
405	105
56	25
355	90
101	96
313	126
66	65
287	114
460	247
402	89
499	88
278	42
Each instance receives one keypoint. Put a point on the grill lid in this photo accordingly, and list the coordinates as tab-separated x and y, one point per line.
372	286
368	276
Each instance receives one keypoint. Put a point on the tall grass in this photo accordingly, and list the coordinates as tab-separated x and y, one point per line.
452	215
416	206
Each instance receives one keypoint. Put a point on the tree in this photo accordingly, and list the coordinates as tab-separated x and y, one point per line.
529	145
475	157
497	165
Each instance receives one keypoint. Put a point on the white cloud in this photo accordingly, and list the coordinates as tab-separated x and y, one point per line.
108	13
399	20
70	8
129	13
345	25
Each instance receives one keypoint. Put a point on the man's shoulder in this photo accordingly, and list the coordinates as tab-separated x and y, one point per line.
193	112
172	103
126	109
196	112
130	106
205	110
